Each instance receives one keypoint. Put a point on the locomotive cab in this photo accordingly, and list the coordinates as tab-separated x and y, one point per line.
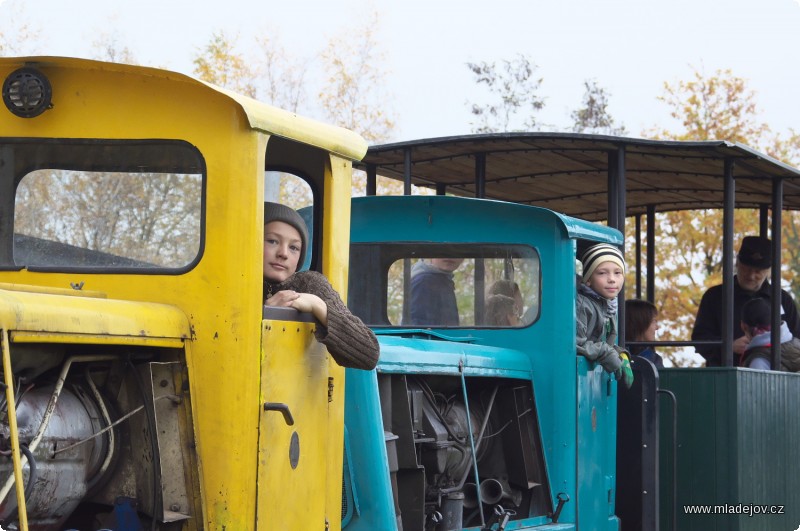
471	423
144	382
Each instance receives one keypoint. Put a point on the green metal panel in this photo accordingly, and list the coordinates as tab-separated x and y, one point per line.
737	434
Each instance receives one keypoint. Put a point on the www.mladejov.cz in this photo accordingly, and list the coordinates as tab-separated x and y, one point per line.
750	509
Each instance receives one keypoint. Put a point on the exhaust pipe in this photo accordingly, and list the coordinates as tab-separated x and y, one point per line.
495	490
470	496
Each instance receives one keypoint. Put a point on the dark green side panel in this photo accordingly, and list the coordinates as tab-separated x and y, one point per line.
728	460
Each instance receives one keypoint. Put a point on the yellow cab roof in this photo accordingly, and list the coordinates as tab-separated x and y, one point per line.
261	116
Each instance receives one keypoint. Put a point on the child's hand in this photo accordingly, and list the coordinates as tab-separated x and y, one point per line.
625	372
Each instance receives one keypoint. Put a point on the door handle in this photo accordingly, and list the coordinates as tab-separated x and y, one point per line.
283	408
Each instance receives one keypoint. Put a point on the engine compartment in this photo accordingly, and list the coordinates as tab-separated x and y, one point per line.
103	436
436	482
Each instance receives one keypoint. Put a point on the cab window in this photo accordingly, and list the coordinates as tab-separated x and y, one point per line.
445	286
293	191
104	205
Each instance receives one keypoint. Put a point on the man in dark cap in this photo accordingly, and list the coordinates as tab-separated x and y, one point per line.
753	264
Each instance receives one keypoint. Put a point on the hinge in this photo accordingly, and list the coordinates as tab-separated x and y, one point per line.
330	388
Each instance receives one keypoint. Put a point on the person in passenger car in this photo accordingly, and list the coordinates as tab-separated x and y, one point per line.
433	292
753	264
596	309
347	338
641	324
757	327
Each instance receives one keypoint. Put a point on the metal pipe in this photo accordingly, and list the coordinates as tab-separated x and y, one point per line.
729	203
651	253
470	495
638	254
616	217
777	213
674	401
453	512
763	217
174	398
471	438
372	179
407	171
101	404
478	444
491	491
12	425
51	406
480	175
495	490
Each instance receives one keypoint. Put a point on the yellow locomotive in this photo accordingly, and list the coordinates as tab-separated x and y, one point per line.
142	381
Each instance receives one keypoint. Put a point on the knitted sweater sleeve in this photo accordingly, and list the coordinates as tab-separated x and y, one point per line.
350	342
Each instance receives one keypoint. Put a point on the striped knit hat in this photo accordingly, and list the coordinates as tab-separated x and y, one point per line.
597	254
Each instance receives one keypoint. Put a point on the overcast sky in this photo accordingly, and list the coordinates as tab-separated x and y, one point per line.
630	47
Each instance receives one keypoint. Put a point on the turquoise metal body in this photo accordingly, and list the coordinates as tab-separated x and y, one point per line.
576	400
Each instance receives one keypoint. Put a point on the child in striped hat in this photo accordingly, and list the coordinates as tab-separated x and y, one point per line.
596	304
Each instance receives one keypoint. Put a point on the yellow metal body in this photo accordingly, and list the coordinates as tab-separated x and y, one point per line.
213	310
289	449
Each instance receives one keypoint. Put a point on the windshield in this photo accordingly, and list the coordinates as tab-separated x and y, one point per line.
98	204
423	285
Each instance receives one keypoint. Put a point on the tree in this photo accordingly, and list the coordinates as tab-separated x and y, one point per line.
352	95
714	107
107	47
689	244
282	78
593	117
221	64
788	150
17	36
514	85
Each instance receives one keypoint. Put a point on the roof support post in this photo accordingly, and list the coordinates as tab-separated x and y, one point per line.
777	215
729	202
480	266
616	218
441	189
638	251
616	189
372	179
480	175
651	253
407	171
763	219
